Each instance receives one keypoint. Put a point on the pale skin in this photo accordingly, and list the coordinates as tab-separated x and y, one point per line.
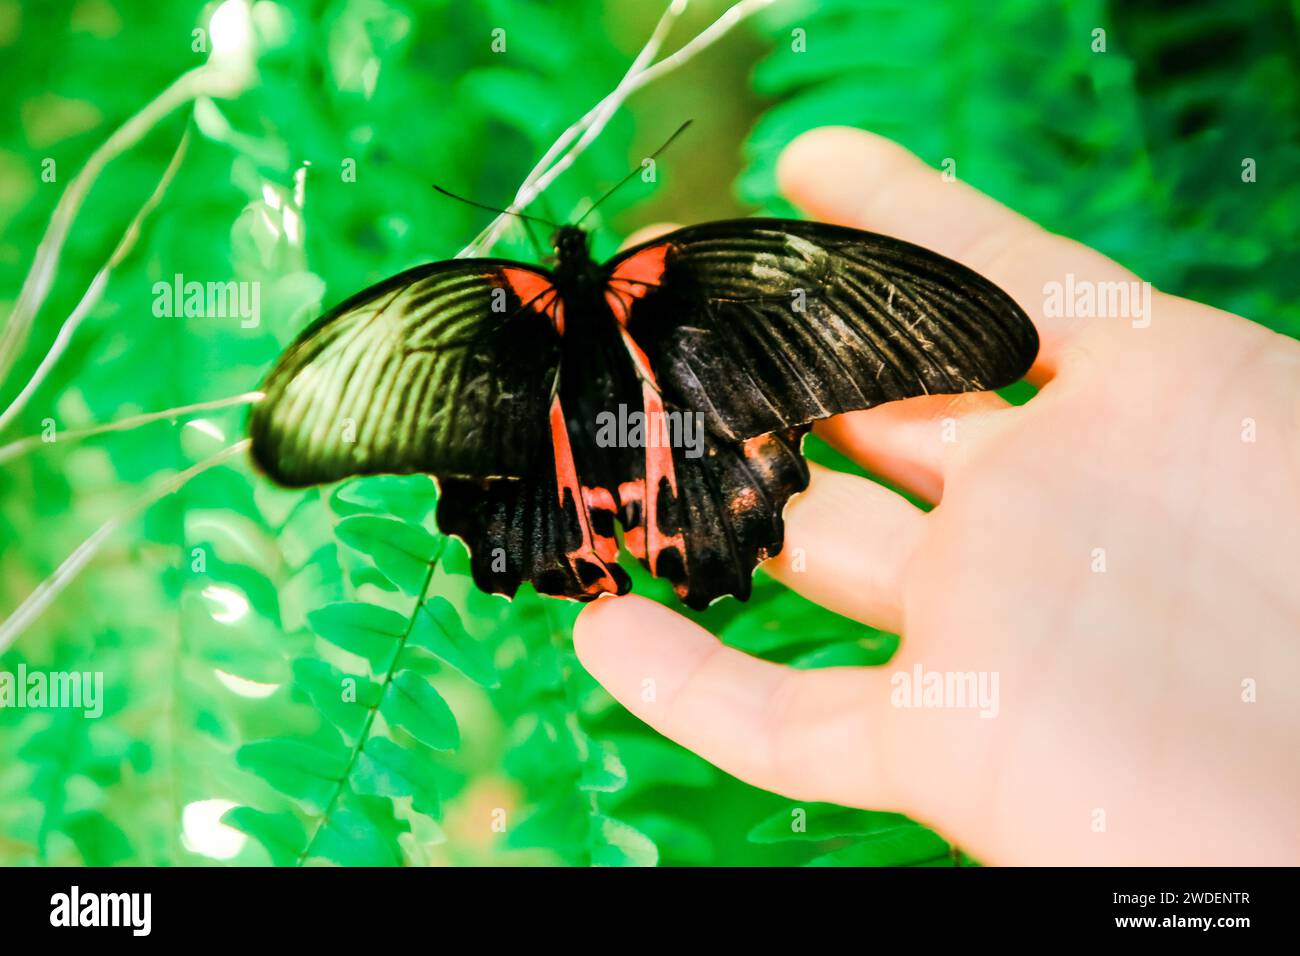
1149	711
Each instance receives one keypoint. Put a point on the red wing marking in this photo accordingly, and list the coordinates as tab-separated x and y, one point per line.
631	494
659	470
588	566
646	266
600	517
526	284
633	277
536	291
620	303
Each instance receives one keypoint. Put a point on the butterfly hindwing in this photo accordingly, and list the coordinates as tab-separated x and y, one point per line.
543	527
700	510
721	516
697	510
765	324
555	525
445	369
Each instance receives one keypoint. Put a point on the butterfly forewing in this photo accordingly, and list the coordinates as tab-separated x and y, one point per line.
765	324
445	369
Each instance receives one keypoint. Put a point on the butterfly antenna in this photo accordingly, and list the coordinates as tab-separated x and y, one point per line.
505	212
532	238
546	206
628	178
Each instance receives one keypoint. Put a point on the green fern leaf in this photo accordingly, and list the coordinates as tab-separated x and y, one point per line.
439	630
403	552
412	704
281	834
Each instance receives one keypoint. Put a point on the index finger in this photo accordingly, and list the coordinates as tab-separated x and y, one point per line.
776	727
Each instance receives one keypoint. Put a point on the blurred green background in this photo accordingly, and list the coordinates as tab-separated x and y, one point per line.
227	618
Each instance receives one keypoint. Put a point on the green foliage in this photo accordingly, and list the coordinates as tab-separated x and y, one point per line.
1136	148
314	667
365	779
855	837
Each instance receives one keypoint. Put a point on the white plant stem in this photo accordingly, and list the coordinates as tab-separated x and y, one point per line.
230	70
54	585
96	288
23	445
642	72
199	81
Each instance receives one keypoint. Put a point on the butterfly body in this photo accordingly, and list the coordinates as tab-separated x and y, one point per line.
577	277
513	385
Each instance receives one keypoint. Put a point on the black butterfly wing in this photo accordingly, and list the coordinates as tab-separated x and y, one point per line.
545	527
446	369
763	326
449	369
555	526
696	509
766	324
719	515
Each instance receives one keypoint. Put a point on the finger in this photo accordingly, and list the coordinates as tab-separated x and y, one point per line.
646	233
917	442
848	545
780	729
856	178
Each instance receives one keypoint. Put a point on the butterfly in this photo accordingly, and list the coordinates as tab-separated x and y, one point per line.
724	341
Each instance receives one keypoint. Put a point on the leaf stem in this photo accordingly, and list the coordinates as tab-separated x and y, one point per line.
364	734
200	81
22	445
593	122
96	288
581	739
51	587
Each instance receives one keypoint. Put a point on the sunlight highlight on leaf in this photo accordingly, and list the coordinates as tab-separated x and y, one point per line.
231	605
204	426
204	833
245	688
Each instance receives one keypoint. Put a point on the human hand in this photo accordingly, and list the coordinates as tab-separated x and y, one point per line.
1122	552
